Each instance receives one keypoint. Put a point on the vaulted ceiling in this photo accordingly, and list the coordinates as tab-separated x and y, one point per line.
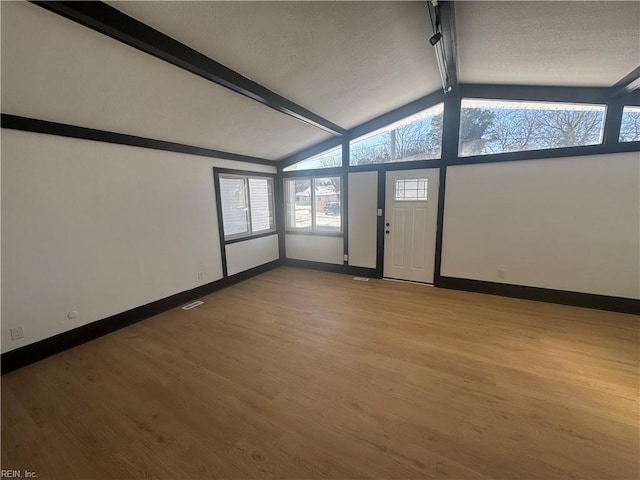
547	43
346	61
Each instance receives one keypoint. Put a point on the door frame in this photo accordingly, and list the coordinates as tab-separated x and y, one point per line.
439	202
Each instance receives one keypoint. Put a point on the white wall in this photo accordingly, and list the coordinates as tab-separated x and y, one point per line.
363	219
363	201
315	248
244	255
100	229
568	224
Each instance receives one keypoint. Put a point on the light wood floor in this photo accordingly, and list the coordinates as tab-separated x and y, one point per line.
305	374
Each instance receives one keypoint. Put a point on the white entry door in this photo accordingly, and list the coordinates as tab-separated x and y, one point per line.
410	224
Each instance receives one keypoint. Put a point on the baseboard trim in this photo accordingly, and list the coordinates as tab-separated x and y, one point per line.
332	267
42	349
576	299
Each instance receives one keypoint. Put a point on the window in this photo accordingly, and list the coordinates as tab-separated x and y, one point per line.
327	159
247	205
418	137
313	204
411	189
500	126
630	127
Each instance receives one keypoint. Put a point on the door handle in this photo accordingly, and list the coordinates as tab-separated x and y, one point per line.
387	232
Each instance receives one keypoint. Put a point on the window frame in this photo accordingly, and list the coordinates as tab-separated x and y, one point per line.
316	157
313	229
417	189
246	176
630	109
429	112
553	105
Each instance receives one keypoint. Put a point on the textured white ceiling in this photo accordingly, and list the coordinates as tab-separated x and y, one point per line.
57	70
585	43
346	61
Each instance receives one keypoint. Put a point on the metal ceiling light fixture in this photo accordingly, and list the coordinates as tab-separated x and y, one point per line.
443	40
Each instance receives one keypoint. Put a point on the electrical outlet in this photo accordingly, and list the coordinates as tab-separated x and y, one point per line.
16	333
345	257
501	273
200	275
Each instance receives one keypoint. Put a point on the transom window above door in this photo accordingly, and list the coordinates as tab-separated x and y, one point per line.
411	189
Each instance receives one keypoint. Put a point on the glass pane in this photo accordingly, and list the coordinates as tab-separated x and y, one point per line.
326	159
261	205
418	137
499	126
411	189
327	204
630	127
235	215
298	193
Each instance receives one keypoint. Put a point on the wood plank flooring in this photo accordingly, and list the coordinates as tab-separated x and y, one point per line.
303	374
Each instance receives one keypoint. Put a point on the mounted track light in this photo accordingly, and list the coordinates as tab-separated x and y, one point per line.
435	38
442	22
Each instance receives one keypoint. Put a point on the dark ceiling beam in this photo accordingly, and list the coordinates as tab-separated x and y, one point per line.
115	24
628	84
26	124
443	27
535	93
